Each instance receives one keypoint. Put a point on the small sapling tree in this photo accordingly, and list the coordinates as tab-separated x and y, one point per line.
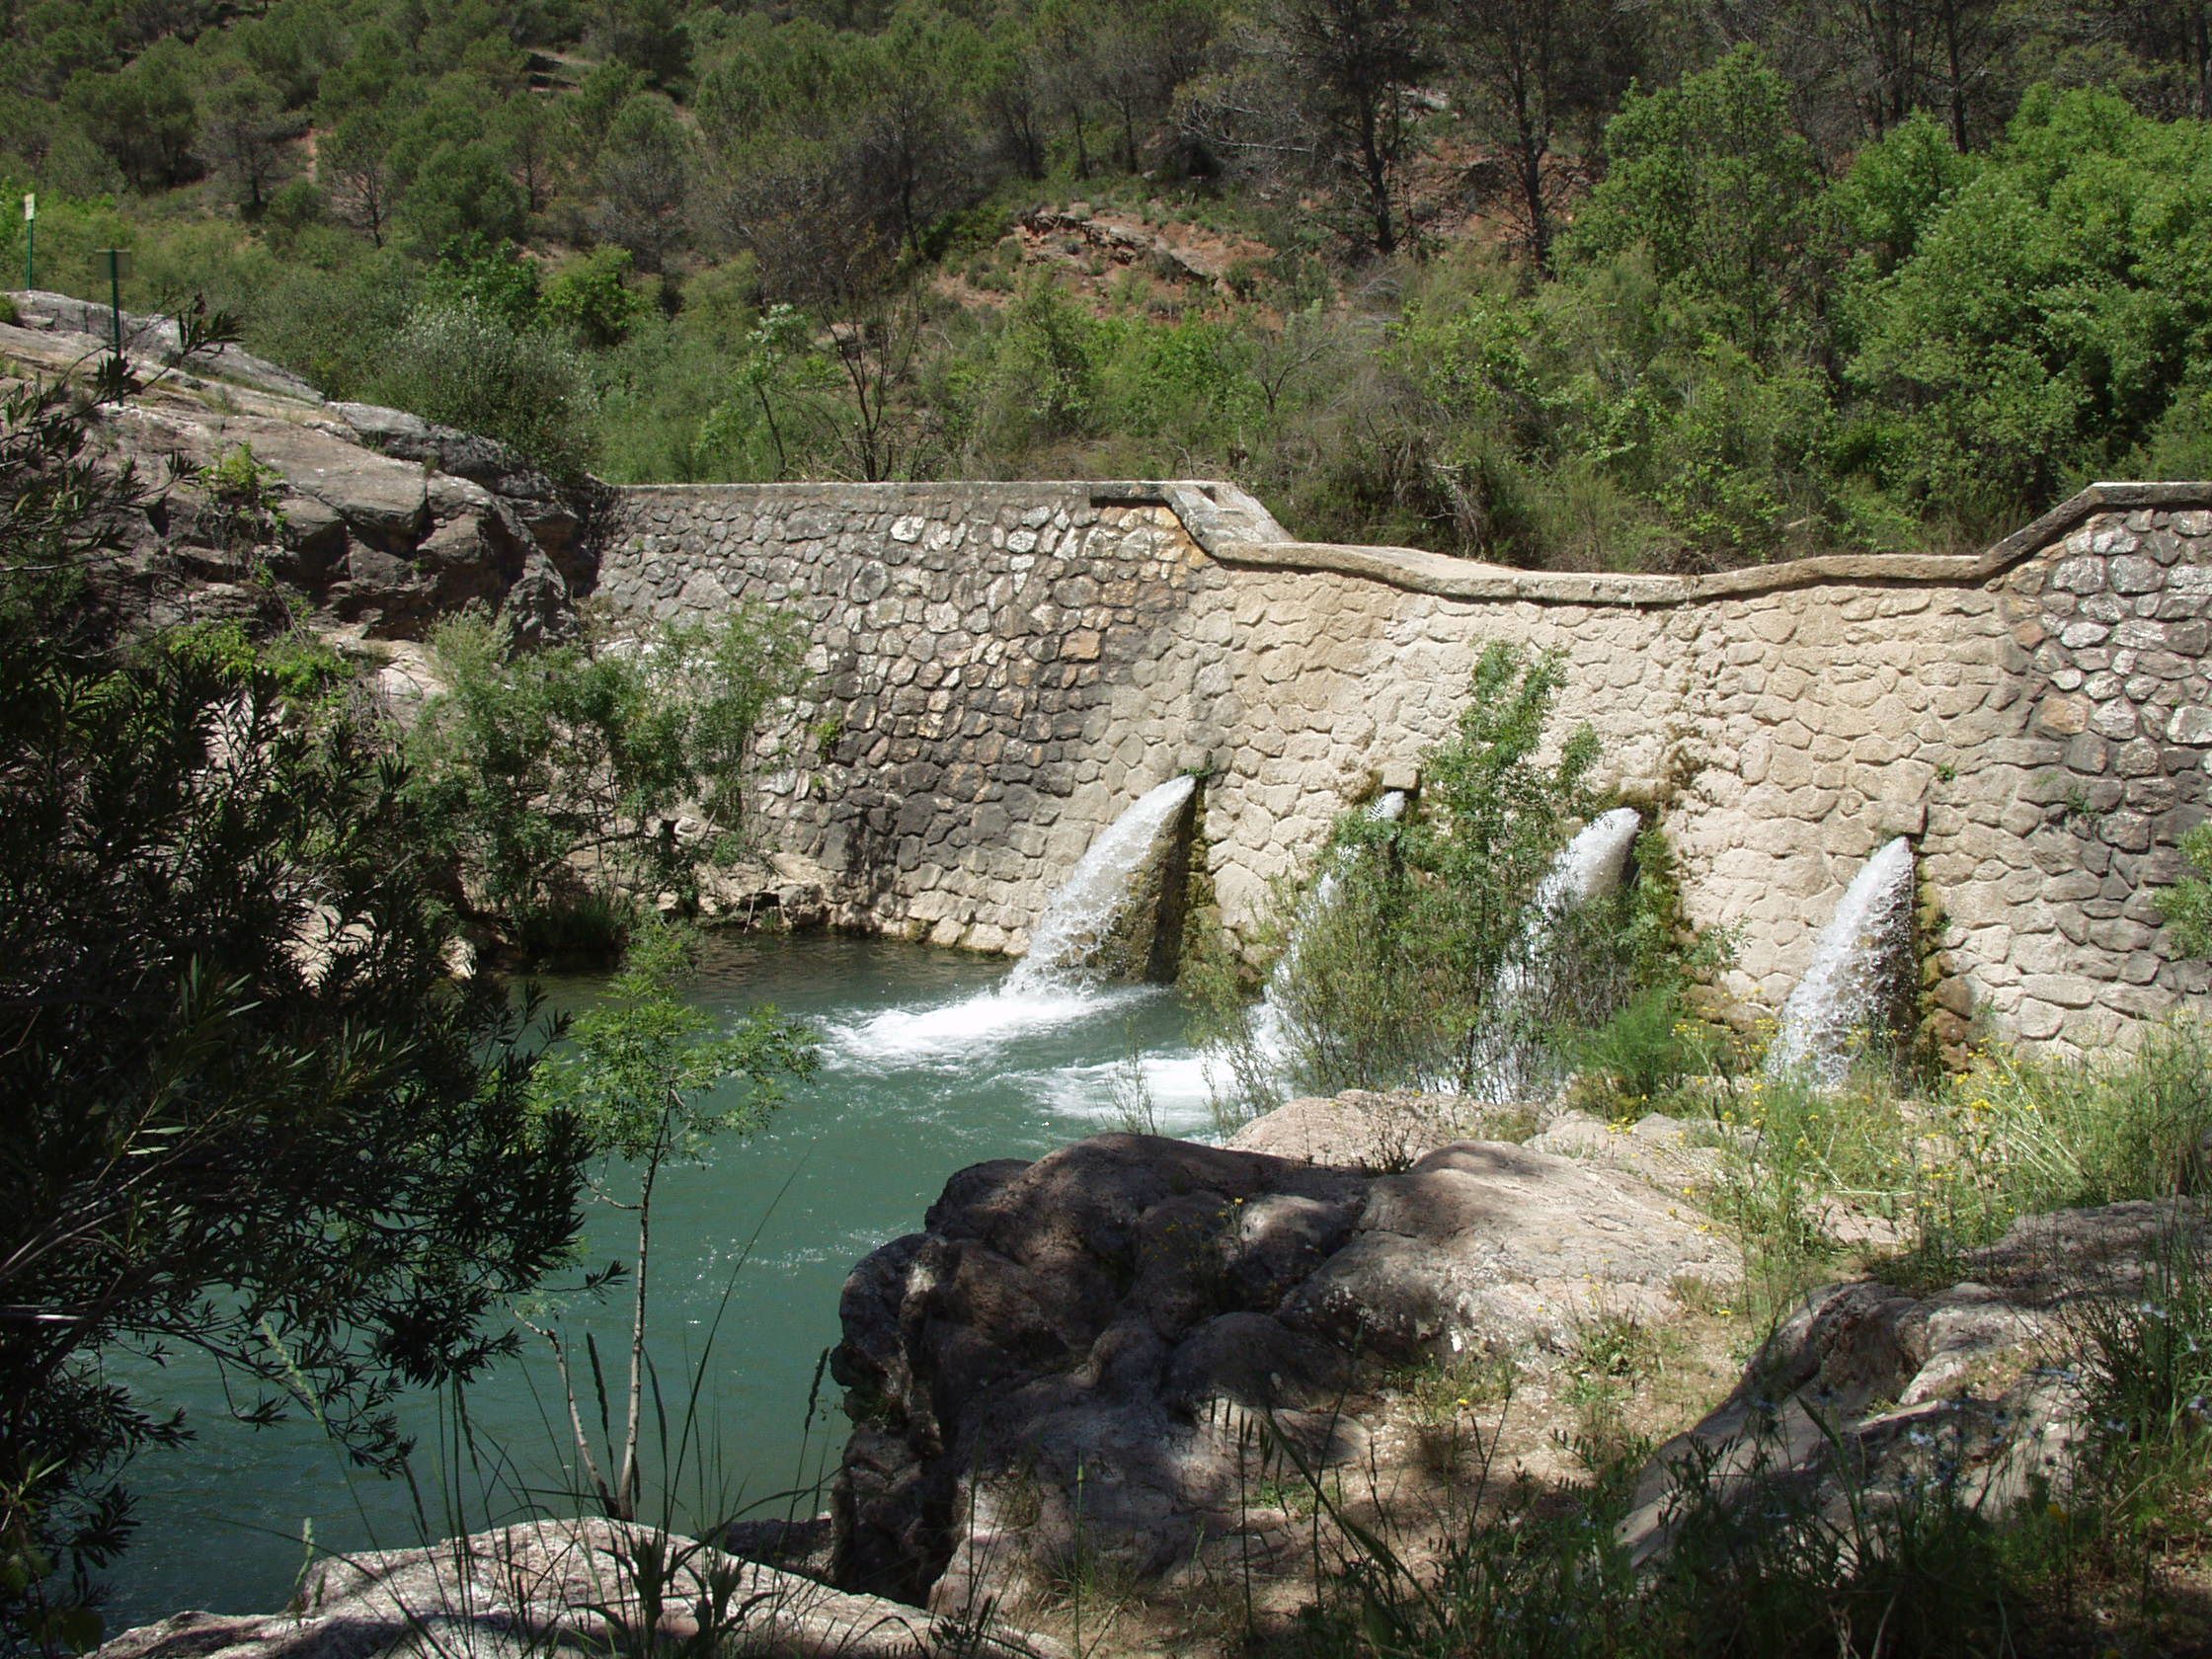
650	1086
1389	980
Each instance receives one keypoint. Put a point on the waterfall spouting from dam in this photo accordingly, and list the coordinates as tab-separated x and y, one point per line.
1269	1025
1853	973
1089	902
1508	1064
1055	984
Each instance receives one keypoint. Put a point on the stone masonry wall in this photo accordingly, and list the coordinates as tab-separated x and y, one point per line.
1004	667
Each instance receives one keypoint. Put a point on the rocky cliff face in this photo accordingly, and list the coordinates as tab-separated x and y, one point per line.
383	522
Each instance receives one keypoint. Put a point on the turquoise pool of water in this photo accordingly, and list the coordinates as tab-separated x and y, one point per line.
930	1064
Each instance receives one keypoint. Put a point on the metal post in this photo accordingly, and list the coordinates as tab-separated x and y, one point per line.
118	265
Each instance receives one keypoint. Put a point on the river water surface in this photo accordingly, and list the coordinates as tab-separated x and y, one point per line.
929	1066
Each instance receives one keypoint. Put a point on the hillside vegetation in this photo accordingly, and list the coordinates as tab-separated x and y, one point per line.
1583	283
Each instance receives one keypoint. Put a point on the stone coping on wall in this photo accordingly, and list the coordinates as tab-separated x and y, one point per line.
1232	527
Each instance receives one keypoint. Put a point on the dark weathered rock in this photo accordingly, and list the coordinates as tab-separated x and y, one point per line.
1088	1351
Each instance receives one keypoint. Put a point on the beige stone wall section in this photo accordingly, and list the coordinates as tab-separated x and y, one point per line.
1010	666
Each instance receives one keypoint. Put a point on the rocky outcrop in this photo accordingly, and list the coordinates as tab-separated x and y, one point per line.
383	522
1870	1394
564	1587
156	338
1085	1354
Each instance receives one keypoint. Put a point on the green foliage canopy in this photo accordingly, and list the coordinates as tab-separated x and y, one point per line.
532	758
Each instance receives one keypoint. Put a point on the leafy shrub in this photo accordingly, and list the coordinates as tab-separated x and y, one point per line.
2187	906
297	205
1634	1061
591	297
475	273
553	777
464	367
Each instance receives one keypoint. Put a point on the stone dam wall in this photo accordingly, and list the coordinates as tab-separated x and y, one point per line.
1004	668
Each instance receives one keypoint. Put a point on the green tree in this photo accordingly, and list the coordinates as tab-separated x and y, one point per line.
1897	189
530	137
1329	91
2047	318
1527	66
914	153
143	115
244	129
652	1086
460	190
648	35
355	161
1713	181
643	175
251	1121
535	761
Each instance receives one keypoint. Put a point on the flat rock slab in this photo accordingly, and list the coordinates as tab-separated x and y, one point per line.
1097	1352
1360	1129
550	1586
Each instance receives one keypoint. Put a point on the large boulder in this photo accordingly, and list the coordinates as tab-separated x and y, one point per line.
1871	1393
1088	1354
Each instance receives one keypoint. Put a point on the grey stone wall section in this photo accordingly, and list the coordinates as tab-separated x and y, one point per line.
969	642
1004	667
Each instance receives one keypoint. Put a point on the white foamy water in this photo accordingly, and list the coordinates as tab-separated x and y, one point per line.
1048	988
1180	1087
950	1031
1854	969
1067	935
